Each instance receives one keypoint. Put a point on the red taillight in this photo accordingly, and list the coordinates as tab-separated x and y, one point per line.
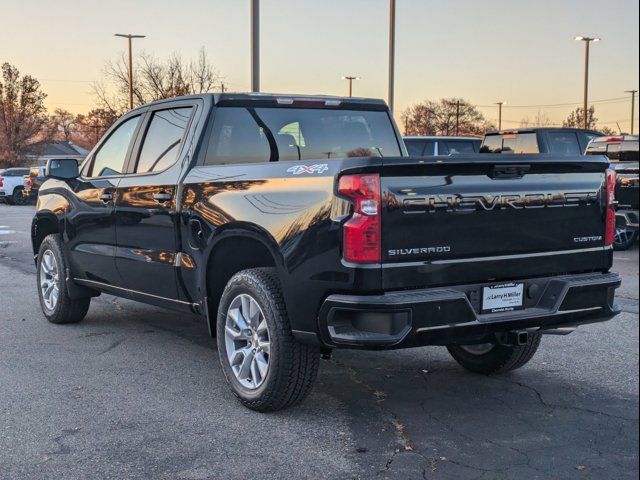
610	231
612	139
1	181
362	232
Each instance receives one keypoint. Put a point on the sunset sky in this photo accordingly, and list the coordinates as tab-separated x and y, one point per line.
484	51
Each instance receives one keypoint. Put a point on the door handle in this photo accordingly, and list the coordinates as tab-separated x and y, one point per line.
162	197
106	197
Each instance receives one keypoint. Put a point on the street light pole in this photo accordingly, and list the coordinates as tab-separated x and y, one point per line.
633	106
392	52
130	37
500	104
350	79
255	45
587	42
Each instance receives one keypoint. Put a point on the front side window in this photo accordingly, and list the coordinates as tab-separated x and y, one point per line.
112	155
564	143
162	142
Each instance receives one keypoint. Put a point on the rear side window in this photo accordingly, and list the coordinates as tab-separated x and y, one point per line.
110	159
429	149
415	147
162	142
420	148
564	143
15	173
492	144
236	138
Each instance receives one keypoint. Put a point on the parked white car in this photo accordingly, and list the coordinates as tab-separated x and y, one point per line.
12	186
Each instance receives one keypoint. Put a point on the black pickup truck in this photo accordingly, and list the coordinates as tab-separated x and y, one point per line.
296	225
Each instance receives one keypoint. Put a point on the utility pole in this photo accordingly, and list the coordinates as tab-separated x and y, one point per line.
350	79
457	118
222	88
255	45
587	42
633	107
392	52
500	104
130	37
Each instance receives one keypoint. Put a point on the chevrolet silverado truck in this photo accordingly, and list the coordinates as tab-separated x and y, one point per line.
295	225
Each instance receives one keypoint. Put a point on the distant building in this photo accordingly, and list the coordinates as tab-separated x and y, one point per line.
39	153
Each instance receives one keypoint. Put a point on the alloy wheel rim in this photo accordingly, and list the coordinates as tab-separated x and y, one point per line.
623	236
247	341
479	349
49	280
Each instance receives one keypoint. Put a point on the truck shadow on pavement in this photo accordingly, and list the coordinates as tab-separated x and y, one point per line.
416	414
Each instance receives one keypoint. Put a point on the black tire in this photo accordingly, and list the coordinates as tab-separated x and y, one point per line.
624	239
293	366
500	359
19	198
65	310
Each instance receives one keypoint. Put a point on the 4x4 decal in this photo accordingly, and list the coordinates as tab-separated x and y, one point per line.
310	169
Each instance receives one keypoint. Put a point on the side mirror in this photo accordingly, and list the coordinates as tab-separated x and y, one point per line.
62	169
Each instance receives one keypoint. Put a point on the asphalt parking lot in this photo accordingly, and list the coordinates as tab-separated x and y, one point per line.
136	392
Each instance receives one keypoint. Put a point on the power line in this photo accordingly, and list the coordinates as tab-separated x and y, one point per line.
551	105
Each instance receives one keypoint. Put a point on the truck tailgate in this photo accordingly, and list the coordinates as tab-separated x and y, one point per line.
489	218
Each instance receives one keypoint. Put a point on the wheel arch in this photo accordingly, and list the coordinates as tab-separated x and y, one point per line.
235	248
44	223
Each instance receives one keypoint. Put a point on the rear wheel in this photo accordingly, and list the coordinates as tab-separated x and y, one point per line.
624	238
57	305
19	198
265	366
491	358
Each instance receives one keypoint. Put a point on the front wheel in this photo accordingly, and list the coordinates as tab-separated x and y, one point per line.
266	368
56	304
492	358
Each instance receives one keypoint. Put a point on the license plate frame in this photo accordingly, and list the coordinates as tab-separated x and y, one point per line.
504	297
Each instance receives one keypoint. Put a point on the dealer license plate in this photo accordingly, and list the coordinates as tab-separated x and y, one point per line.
502	298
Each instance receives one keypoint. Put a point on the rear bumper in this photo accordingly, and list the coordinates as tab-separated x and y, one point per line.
442	316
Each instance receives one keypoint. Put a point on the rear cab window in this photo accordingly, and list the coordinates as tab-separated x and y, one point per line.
244	135
563	143
511	142
457	148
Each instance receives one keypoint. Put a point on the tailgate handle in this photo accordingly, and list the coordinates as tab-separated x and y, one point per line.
510	171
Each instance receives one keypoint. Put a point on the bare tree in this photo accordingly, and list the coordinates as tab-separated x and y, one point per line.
22	113
155	79
60	126
449	116
540	120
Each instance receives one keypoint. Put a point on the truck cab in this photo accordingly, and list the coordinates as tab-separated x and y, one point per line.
526	141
